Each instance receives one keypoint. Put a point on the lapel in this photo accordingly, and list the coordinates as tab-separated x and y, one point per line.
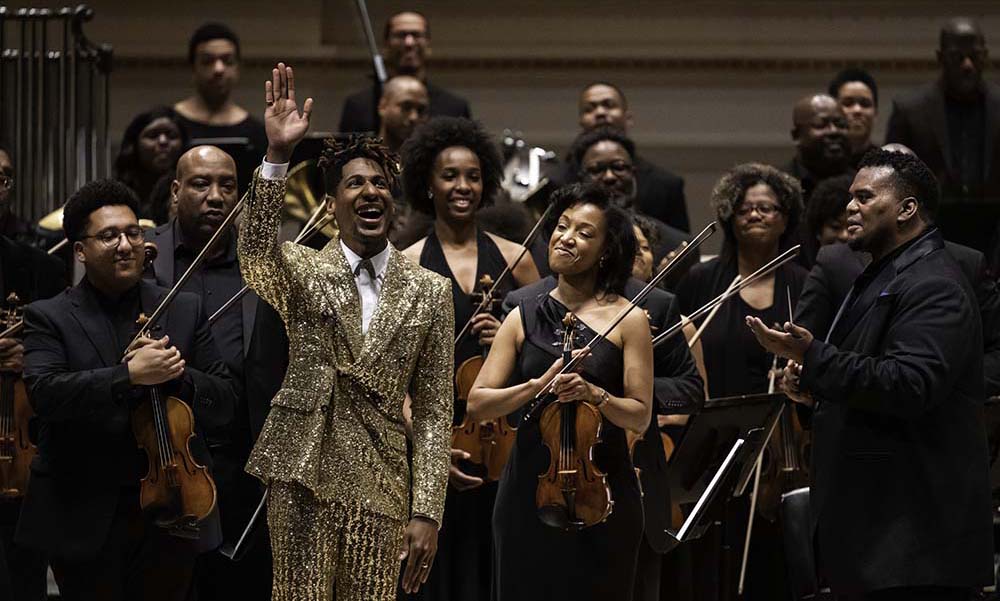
992	123
395	292
342	293
938	121
93	323
163	264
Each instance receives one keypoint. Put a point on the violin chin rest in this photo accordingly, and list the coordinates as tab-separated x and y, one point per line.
557	516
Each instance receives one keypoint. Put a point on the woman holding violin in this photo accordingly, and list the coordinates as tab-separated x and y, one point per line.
575	542
758	208
452	169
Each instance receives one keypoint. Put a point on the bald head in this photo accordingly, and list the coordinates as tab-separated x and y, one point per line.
819	129
203	192
960	27
403	106
962	56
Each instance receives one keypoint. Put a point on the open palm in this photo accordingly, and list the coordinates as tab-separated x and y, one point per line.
284	125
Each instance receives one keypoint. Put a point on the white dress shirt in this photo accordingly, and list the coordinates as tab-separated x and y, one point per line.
368	289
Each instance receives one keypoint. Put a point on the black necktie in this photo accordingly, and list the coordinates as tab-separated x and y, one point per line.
367	265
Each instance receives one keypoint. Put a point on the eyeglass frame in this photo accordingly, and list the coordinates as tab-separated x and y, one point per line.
138	231
772	210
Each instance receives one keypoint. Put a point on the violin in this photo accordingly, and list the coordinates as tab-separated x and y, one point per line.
16	449
177	491
488	443
573	493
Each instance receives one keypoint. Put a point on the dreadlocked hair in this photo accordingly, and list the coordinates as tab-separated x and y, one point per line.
338	152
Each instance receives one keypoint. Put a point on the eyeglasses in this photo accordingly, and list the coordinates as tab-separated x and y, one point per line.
400	36
616	167
113	238
764	210
6	182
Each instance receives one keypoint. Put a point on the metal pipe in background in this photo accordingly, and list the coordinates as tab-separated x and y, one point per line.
3	70
19	164
63	164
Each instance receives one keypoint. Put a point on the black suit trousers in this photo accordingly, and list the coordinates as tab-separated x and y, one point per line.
137	561
22	570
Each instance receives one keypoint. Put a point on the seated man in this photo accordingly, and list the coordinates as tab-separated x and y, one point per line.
407	43
87	381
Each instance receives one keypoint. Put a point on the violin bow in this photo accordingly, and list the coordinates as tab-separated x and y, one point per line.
642	294
732	291
509	268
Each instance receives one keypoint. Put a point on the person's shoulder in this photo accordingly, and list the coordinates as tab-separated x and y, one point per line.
704	269
542	286
657	172
56	306
510	250
360	98
413	251
917	96
441	95
420	276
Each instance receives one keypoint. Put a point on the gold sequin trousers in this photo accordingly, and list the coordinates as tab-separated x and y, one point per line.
319	545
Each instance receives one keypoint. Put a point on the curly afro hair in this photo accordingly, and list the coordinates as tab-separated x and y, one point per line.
828	201
426	143
912	178
91	197
620	244
340	151
731	189
589	138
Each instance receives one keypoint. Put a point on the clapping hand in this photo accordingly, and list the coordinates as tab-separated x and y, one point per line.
284	125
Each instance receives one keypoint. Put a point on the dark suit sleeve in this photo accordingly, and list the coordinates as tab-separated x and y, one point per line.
57	393
926	342
683	391
898	130
207	384
816	306
989	312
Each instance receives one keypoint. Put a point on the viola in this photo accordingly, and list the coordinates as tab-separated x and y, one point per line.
490	442
784	461
573	493
16	449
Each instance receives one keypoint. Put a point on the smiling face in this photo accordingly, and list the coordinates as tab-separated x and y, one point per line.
112	270
204	191
457	184
577	243
858	103
820	133
363	206
759	219
407	43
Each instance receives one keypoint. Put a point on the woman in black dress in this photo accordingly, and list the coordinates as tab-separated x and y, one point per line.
758	208
451	170
591	251
150	147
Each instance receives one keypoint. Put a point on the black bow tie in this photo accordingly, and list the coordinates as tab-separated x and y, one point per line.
368	266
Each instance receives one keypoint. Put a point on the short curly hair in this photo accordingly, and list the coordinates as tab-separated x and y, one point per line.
585	140
426	143
828	201
912	177
732	188
853	74
620	245
339	151
91	197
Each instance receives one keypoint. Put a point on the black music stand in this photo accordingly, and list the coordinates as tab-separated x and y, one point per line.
717	454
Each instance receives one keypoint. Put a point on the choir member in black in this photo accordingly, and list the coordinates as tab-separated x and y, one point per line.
31	275
900	496
758	208
451	169
856	91
210	115
82	506
660	193
591	252
252	341
150	147
606	156
953	125
407	42
819	130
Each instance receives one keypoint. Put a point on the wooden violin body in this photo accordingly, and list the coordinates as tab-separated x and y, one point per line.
784	463
573	493
16	449
488	443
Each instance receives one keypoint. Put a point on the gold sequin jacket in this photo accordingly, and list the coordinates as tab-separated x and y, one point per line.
336	425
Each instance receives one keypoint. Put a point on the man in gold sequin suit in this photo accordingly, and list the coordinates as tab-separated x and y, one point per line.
366	327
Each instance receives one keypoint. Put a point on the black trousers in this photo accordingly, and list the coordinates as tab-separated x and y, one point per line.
647	574
22	571
137	561
913	593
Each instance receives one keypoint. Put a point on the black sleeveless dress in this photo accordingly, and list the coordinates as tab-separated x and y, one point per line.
463	565
536	561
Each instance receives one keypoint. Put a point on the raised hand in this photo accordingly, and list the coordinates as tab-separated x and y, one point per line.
284	125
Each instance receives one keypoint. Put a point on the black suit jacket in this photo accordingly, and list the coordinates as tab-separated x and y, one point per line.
900	491
360	112
677	389
29	272
660	194
82	398
834	273
265	359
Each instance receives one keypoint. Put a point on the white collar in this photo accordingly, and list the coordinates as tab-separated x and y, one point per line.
379	261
